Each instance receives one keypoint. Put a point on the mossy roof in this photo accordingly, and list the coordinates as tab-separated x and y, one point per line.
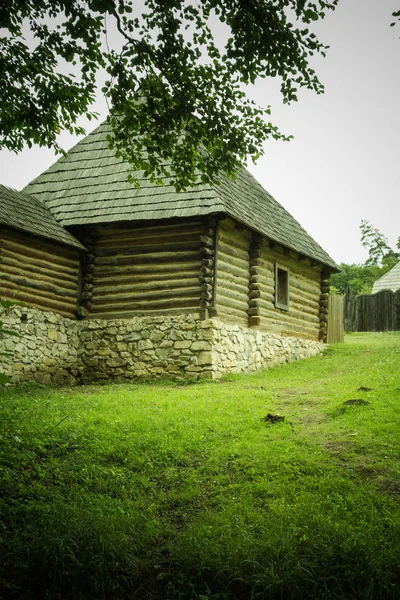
90	185
22	211
389	281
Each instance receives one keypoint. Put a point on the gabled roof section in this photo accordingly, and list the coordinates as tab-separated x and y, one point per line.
25	213
389	281
90	185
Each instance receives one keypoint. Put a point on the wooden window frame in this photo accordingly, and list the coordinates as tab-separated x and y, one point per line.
282	296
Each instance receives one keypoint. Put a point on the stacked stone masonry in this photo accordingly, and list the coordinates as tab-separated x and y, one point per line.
54	350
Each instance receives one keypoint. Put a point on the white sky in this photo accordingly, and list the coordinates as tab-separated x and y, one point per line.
343	164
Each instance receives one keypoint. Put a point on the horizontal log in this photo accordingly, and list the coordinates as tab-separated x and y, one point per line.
254	321
136	242
55	254
206	296
155	257
143	272
294	310
254	294
206	272
253	302
234	319
37	275
229	234
254	262
234	271
290	317
300	299
86	295
145	306
206	252
38	285
114	235
207	262
145	287
235	288
40	244
51	264
8	291
254	253
138	297
207	241
232	251
227	298
172	248
206	281
87	304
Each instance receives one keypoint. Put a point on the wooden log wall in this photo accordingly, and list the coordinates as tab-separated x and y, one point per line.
324	306
232	272
302	319
41	273
147	270
207	281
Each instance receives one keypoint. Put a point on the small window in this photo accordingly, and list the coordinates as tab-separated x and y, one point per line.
281	287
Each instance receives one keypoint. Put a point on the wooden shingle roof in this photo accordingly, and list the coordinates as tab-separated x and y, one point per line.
90	186
389	281
22	211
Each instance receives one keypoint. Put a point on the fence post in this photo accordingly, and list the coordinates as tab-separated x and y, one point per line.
335	331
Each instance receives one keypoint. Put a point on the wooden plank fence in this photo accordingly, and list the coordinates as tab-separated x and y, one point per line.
335	330
372	312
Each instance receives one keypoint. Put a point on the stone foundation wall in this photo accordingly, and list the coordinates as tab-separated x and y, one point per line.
239	350
52	349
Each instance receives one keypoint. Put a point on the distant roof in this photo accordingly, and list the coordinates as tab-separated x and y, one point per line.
90	186
389	281
21	211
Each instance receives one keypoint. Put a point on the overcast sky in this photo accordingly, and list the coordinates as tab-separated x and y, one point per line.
343	164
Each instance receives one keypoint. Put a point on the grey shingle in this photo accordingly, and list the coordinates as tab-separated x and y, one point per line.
389	281
90	185
21	211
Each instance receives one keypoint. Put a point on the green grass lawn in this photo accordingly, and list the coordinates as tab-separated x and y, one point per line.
173	491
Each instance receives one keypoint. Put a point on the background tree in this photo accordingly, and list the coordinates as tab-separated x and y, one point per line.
377	245
174	92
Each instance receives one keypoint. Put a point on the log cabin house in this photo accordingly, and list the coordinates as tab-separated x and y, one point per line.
39	259
227	254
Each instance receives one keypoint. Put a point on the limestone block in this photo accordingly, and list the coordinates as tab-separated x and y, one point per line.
156	336
133	337
208	375
180	344
105	351
166	344
53	335
203	345
205	358
144	344
121	346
